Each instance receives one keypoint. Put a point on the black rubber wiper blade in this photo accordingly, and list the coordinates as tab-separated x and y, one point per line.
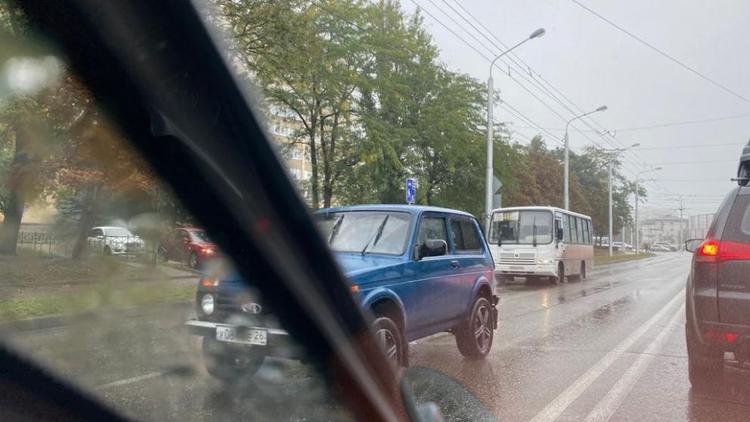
376	237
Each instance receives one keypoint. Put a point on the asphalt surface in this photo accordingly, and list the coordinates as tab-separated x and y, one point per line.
611	347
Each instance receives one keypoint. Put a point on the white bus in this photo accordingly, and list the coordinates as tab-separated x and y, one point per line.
541	242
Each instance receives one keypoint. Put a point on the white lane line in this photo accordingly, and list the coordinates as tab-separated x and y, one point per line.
130	380
612	401
556	407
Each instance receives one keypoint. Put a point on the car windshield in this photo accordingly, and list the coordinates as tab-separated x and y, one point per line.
199	236
521	227
365	231
531	210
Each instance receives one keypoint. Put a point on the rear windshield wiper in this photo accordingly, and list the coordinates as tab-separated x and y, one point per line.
376	237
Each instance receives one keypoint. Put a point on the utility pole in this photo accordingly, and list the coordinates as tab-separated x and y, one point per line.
679	236
610	162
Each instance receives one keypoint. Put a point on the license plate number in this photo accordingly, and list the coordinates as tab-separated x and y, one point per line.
250	336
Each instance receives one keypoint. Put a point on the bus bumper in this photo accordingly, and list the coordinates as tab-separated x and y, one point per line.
548	270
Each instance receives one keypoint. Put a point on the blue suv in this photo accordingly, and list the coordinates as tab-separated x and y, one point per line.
417	270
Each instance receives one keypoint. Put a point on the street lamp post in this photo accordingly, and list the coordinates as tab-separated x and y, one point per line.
490	100
610	239
637	231
566	201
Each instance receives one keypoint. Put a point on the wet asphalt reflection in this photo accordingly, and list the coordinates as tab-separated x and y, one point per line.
611	347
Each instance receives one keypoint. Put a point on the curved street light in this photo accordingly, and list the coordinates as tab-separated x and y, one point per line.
490	99
566	187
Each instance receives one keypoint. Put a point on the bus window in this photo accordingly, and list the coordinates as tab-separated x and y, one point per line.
569	229
579	229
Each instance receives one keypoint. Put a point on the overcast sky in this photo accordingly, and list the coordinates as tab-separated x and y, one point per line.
593	63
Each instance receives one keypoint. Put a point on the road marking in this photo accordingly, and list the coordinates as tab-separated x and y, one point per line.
555	408
127	381
612	401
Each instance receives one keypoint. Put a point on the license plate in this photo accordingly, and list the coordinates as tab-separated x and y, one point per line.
517	268
250	336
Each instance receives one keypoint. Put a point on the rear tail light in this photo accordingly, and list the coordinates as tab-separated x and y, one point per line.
721	336
716	251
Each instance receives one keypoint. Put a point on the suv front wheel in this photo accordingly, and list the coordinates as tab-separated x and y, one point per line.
230	363
474	336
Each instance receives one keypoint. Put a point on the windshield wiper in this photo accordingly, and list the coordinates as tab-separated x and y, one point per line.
335	229
533	231
376	237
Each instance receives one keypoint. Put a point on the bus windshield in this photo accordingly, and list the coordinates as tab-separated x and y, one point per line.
525	227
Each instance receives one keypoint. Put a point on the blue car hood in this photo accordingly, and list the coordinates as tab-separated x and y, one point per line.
355	264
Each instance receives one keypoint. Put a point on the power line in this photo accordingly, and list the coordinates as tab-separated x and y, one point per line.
664	125
662	52
546	105
688	122
692	146
537	83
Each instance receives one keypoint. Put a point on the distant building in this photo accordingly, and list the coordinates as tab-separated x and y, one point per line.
285	129
667	229
698	225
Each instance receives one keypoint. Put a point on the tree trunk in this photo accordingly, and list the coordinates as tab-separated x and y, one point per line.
329	158
11	224
314	162
87	219
18	182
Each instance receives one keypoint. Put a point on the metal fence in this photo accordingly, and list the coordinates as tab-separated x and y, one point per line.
47	243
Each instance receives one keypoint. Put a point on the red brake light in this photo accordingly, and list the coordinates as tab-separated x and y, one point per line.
713	250
709	247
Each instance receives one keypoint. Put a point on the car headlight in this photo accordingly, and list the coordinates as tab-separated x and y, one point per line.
207	251
545	261
207	304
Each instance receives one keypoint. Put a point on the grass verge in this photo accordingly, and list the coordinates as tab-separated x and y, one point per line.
604	258
94	298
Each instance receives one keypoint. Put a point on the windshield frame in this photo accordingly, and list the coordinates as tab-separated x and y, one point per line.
492	239
382	212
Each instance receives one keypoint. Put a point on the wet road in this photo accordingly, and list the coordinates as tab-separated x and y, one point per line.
608	348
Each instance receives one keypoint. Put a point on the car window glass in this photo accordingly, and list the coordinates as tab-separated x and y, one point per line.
737	227
431	228
456	232
469	235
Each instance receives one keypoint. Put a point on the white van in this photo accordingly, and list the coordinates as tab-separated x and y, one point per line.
536	242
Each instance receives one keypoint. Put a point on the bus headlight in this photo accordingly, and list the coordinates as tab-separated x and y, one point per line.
207	304
545	261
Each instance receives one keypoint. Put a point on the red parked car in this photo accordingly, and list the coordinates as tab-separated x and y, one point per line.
189	245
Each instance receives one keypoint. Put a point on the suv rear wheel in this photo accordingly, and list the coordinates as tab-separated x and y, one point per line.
474	335
705	365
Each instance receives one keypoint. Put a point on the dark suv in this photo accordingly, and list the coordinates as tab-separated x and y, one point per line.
718	288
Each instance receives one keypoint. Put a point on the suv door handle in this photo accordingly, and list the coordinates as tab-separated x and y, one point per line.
455	264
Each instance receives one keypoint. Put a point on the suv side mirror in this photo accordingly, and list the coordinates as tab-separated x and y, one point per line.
432	247
692	244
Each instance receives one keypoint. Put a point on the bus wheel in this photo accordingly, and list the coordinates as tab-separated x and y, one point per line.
583	270
560	278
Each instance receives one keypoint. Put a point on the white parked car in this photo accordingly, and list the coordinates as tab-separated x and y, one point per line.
114	240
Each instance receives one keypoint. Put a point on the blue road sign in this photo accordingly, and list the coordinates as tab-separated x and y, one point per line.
411	191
